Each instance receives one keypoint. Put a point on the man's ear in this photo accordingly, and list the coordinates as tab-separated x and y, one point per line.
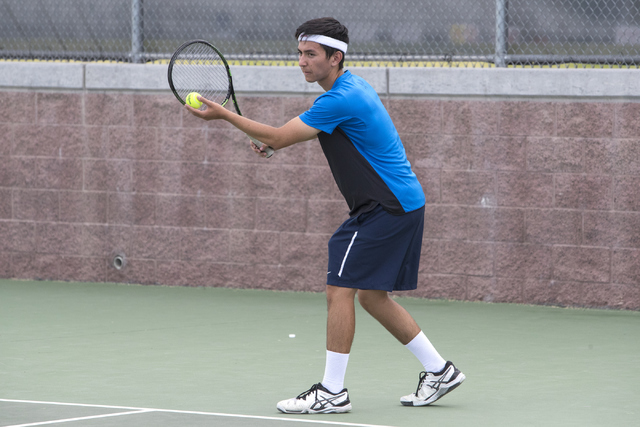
337	57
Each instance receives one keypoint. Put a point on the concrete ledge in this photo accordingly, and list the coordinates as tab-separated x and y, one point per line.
514	82
33	75
125	77
254	79
420	82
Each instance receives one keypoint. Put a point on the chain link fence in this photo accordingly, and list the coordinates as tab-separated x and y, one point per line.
463	33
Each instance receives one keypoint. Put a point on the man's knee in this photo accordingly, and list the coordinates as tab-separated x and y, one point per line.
370	299
336	294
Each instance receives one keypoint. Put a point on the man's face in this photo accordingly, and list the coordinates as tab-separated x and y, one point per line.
313	61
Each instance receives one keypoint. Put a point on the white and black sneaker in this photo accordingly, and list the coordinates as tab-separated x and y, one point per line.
316	400
433	385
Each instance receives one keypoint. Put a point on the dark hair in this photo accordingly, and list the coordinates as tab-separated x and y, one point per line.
329	27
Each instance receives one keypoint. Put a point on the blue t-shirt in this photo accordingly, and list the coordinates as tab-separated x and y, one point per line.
363	148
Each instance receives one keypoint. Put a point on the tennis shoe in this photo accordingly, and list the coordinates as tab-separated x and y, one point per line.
433	385
316	400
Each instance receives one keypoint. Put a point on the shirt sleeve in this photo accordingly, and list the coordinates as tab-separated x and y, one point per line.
327	112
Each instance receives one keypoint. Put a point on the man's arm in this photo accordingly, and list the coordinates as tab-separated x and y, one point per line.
291	133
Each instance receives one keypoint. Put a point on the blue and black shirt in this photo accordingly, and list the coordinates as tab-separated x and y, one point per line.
363	148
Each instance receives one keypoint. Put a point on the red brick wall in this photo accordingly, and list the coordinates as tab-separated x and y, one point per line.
527	201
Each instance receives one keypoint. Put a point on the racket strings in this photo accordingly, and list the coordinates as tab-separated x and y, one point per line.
199	68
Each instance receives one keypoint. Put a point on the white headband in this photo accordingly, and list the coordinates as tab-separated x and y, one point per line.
327	41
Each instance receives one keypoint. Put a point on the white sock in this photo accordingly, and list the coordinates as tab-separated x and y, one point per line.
426	353
334	371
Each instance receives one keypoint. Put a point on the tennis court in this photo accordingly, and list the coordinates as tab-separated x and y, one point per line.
87	354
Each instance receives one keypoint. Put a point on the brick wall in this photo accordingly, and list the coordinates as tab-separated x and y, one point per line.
527	201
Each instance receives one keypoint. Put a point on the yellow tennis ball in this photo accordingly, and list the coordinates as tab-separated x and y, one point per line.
192	100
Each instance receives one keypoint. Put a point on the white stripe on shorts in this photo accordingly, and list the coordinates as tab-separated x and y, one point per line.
347	254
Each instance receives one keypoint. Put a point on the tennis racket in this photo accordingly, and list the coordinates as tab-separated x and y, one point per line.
198	66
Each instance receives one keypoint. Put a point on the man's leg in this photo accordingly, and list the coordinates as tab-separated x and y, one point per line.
341	326
440	376
401	325
390	314
330	395
341	319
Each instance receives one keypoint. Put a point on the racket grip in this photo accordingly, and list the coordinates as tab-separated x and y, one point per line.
270	151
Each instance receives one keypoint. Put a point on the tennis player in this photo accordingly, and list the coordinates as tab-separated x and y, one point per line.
375	251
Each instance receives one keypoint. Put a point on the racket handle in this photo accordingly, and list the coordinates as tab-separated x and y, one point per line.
270	151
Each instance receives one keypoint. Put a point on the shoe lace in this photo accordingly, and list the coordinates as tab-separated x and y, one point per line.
423	377
304	394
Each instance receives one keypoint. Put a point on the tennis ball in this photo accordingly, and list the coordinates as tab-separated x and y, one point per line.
192	100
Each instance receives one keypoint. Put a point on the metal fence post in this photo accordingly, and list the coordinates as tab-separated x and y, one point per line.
137	32
502	32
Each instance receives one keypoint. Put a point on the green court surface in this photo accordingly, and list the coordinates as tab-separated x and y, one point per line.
88	354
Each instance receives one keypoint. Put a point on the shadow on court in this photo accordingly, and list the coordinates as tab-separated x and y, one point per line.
80	354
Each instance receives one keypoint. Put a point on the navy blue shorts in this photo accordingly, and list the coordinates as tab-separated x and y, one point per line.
377	250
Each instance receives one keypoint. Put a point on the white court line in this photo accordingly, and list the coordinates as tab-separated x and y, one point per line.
91	417
135	410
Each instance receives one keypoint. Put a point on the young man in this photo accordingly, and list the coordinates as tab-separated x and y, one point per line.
377	250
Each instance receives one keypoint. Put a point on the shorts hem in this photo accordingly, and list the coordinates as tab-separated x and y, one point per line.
388	288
